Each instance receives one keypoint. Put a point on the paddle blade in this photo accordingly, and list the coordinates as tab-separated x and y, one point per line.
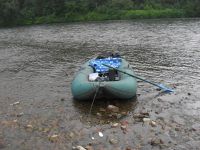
165	89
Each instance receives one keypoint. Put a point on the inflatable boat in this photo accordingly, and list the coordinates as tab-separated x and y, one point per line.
96	79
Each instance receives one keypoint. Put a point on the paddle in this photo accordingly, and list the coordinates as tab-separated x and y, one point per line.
161	86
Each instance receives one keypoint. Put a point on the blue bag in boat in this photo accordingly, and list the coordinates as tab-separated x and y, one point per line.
97	64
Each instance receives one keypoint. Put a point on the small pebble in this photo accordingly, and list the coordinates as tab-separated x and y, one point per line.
15	121
78	148
128	148
102	110
53	138
89	147
146	120
113	141
113	108
123	127
62	99
114	125
16	103
71	134
99	114
100	134
29	126
153	123
156	141
20	114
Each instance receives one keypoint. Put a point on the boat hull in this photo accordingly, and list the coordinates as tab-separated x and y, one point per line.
124	89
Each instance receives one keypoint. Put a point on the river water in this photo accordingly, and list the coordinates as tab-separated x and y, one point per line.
37	65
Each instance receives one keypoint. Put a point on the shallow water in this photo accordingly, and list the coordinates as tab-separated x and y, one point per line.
37	65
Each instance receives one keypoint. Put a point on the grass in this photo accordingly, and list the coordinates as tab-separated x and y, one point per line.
108	15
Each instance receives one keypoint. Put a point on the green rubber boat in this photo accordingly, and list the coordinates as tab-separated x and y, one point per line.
113	84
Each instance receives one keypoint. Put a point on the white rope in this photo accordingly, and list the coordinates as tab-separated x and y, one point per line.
97	89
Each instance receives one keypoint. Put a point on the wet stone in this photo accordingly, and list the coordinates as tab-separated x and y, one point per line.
113	141
62	99
146	120
123	127
20	114
114	125
128	148
153	123
177	128
71	135
140	116
102	110
99	114
15	103
100	134
156	141
89	147
112	108
53	138
29	127
78	148
124	113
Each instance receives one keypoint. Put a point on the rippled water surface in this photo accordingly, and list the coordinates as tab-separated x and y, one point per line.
37	65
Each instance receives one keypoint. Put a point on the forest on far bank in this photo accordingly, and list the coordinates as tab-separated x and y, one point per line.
26	12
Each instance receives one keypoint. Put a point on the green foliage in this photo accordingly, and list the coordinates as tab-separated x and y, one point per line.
143	14
122	4
9	12
15	12
193	9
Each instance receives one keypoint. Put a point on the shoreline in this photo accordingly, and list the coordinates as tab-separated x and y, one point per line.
106	16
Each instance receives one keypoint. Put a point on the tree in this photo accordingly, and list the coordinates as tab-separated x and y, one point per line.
9	12
59	7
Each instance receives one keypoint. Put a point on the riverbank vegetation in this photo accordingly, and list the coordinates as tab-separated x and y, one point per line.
25	12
